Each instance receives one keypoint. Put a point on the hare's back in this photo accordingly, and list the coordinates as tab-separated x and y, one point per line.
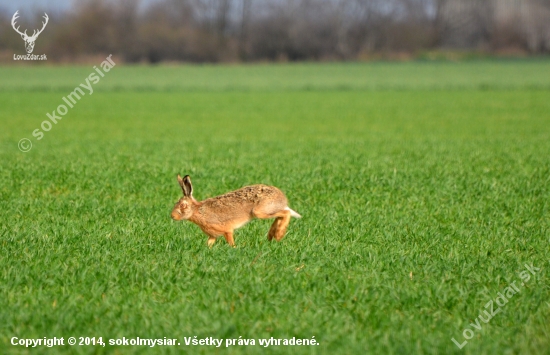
239	205
248	195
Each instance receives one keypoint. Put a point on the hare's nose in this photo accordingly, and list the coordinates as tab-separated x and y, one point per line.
175	215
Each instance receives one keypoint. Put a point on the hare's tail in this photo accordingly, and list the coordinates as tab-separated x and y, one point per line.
293	213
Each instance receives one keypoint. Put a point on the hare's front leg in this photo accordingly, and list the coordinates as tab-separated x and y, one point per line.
211	241
229	238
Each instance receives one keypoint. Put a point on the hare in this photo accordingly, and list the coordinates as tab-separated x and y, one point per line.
221	215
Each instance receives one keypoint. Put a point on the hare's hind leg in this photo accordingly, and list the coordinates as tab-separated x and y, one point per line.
279	226
273	229
282	225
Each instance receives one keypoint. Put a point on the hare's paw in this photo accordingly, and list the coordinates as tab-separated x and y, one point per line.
211	241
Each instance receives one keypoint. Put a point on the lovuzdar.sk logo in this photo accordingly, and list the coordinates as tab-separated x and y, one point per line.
29	40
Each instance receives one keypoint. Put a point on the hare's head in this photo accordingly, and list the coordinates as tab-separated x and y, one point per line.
183	208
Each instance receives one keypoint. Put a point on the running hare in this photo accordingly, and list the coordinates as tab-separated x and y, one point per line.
221	215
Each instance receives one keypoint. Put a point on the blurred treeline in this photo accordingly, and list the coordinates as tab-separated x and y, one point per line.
280	30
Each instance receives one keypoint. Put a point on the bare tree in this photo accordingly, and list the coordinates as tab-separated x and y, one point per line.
226	30
243	37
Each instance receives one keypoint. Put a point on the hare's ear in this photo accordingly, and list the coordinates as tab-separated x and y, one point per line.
180	181
186	186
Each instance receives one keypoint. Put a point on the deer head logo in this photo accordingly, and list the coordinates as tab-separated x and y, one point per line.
29	40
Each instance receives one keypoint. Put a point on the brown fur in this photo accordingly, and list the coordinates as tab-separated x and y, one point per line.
221	215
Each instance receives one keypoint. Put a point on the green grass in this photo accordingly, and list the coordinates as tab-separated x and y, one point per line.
441	75
422	197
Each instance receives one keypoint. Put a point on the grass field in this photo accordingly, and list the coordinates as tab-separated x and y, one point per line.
424	190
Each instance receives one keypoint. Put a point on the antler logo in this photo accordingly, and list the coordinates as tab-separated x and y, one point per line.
29	40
